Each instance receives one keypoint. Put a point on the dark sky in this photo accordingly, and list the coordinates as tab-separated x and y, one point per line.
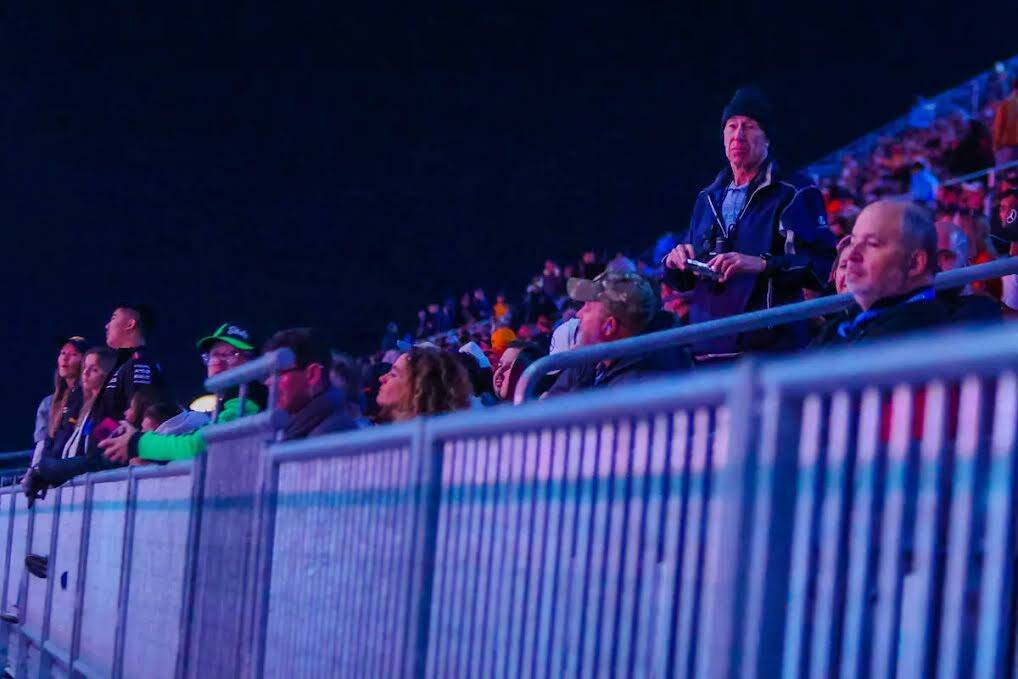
340	166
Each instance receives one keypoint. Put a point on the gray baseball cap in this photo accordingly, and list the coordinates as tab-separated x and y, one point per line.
625	294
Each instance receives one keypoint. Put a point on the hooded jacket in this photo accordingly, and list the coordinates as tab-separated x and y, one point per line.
784	221
628	369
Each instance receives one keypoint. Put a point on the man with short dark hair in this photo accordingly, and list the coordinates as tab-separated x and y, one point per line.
892	259
315	406
762	232
616	306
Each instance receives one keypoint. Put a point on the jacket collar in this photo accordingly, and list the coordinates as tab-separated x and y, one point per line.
765	177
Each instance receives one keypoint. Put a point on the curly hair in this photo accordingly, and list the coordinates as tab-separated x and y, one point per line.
438	383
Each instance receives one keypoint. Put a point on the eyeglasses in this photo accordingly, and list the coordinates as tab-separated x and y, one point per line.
222	357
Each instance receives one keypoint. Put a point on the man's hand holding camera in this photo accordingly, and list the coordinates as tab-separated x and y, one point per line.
726	264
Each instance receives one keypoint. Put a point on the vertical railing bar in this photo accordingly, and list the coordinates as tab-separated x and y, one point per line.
403	526
596	545
557	494
343	474
545	455
621	549
693	530
859	533
57	503
446	531
831	522
725	540
959	528
916	622
419	464
496	545
190	565
642	477
263	576
572	486
23	589
586	535
123	589
79	590
802	532
895	498
432	497
481	453
614	521
8	546
997	587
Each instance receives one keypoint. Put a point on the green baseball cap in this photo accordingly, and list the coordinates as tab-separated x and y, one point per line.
234	335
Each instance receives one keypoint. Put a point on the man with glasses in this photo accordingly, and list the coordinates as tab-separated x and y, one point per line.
229	346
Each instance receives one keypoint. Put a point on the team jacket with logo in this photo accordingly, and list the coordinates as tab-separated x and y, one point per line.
135	369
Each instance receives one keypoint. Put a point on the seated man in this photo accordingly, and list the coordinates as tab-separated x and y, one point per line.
305	392
617	306
228	347
891	261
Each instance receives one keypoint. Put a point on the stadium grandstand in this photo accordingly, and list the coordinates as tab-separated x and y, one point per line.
782	443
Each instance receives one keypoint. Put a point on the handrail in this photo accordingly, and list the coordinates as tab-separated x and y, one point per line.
753	320
980	173
252	371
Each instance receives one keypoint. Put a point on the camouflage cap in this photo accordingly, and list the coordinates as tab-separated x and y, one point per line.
626	295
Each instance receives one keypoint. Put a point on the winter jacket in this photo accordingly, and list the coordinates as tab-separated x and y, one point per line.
629	369
135	368
917	310
784	221
324	414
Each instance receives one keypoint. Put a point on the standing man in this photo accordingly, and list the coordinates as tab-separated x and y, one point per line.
762	232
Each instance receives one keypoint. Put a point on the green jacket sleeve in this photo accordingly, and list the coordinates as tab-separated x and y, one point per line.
167	447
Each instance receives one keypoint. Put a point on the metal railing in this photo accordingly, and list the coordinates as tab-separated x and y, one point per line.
257	370
820	514
981	173
754	320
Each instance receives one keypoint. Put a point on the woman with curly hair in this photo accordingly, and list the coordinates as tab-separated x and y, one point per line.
423	381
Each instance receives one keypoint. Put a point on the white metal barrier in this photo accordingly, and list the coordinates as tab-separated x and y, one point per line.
842	514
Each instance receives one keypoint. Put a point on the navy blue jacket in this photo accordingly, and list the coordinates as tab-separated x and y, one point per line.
784	220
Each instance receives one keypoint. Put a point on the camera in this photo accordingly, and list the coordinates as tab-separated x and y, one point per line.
702	269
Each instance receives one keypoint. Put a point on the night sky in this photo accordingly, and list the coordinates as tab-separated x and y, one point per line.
341	166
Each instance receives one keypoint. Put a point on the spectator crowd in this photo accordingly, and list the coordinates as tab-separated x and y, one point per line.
759	236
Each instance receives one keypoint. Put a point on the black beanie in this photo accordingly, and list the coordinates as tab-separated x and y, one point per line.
750	102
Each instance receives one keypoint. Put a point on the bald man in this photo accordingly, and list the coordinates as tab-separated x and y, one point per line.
892	258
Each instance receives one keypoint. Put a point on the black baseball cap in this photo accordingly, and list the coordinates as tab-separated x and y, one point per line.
77	341
234	335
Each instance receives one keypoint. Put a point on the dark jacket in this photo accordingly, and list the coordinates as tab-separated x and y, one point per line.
629	369
324	414
134	369
973	308
68	420
917	310
785	221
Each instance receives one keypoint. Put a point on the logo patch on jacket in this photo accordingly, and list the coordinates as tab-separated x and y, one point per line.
142	374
